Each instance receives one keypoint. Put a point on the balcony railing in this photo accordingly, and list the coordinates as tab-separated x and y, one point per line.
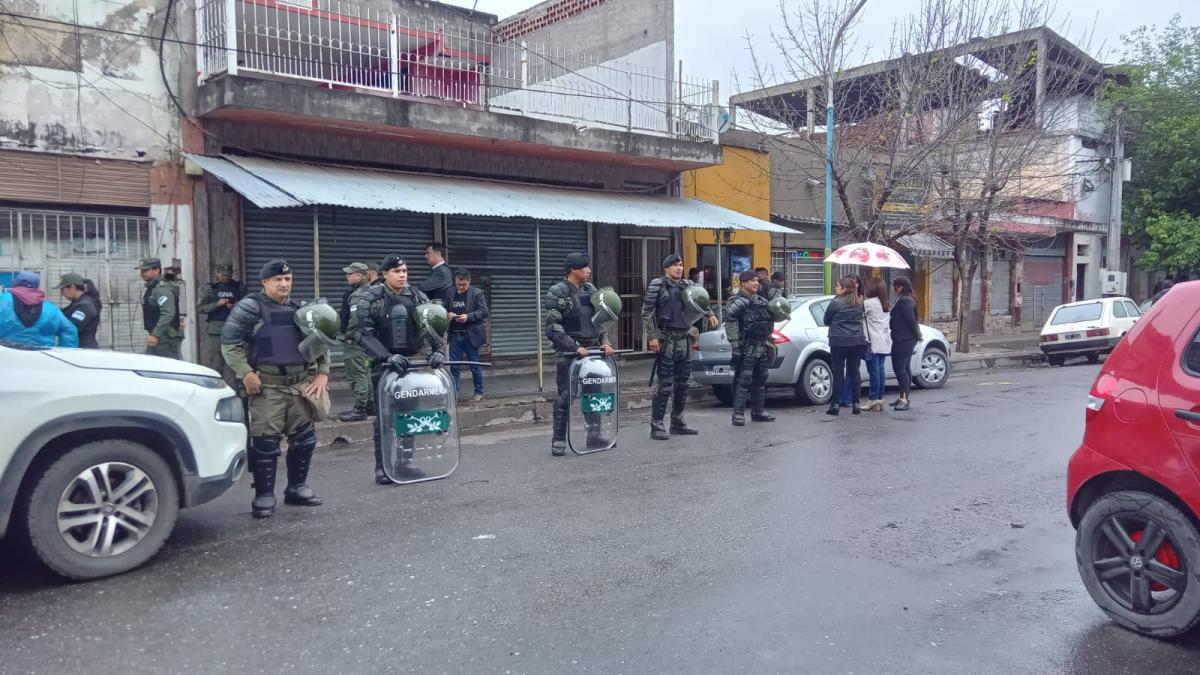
375	51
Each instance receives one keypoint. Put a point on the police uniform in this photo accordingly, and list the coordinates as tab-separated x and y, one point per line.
261	336
568	325
83	311
383	323
216	314
663	319
776	292
748	325
160	313
356	361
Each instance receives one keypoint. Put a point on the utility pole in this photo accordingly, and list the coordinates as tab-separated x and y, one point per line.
1113	251
833	50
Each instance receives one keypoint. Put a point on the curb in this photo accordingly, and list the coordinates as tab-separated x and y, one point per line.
972	363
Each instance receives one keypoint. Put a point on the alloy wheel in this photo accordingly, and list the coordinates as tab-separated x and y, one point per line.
107	509
820	382
933	367
1138	564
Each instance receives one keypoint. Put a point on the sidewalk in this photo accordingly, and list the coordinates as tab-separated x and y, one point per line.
513	397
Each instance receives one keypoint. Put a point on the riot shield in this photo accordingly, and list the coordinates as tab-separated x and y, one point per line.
592	426
418	425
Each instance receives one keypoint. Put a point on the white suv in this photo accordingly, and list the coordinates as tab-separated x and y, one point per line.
99	450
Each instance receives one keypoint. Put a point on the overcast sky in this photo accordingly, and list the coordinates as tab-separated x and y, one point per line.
710	34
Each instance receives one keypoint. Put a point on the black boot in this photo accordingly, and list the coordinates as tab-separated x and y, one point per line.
299	457
264	455
558	443
380	477
356	414
855	409
740	394
679	427
658	410
762	416
834	409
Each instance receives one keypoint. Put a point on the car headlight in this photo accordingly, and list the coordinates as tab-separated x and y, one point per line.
230	410
206	381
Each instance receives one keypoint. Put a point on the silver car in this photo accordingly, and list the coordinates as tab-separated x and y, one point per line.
802	356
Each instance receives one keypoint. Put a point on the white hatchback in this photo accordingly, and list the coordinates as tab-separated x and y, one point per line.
1088	328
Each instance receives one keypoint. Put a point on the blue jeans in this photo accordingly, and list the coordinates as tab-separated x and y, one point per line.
461	349
877	369
849	395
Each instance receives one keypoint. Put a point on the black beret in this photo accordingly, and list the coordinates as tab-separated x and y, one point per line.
391	262
747	276
578	261
672	259
274	268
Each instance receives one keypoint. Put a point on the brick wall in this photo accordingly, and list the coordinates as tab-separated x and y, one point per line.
541	17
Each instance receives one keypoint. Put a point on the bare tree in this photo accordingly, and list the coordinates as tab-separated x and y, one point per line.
967	125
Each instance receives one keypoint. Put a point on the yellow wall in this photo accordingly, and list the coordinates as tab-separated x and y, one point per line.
742	183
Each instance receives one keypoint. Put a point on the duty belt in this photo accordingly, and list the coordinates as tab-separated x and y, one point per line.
285	378
674	332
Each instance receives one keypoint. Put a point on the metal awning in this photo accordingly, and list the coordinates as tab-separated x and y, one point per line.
274	184
925	245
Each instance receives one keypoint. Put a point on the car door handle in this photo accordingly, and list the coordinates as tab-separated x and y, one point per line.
1188	415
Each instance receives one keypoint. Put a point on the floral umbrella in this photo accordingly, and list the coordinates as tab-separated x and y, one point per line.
870	255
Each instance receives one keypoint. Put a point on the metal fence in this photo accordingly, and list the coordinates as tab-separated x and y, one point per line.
346	46
101	247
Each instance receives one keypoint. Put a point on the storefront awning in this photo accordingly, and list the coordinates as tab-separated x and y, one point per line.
275	184
925	245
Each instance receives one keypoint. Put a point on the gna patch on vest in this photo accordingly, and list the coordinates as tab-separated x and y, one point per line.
417	393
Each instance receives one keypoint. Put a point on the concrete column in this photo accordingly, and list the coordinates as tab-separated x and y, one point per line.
985	284
1016	278
1043	49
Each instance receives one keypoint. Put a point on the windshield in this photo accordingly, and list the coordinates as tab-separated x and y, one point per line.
1077	313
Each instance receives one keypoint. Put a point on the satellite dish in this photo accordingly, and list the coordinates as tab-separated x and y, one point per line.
724	120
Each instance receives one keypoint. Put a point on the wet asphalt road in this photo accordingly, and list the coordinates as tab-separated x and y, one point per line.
929	542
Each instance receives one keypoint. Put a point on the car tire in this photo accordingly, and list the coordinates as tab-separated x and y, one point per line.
1093	357
934	370
724	393
816	382
1131	573
131	526
1057	361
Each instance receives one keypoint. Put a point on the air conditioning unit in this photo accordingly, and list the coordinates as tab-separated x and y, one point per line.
1112	283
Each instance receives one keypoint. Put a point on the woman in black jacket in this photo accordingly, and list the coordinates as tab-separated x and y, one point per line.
84	310
906	333
847	342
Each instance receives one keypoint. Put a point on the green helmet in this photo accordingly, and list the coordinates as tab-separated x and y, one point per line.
607	305
779	307
695	302
432	320
319	323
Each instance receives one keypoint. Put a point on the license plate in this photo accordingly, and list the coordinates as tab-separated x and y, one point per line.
1073	336
719	370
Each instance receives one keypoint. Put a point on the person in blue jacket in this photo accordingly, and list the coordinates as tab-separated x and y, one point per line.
27	317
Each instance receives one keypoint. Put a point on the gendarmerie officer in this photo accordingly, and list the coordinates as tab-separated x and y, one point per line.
216	302
667	317
748	325
277	379
356	362
568	326
84	310
386	329
160	311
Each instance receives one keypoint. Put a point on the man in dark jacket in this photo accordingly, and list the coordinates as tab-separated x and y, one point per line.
440	282
468	315
748	326
216	302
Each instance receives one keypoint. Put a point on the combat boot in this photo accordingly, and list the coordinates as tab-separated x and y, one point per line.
356	414
299	457
558	442
380	476
658	431
762	416
739	405
263	462
679	427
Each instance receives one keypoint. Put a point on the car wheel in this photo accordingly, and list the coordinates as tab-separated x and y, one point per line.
935	369
104	508
816	382
724	393
1138	557
1093	357
1056	360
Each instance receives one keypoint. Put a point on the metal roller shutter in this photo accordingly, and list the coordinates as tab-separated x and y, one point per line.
1000	277
1042	288
942	290
500	255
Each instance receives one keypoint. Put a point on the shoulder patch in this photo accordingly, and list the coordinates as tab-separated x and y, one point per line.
78	315
162	300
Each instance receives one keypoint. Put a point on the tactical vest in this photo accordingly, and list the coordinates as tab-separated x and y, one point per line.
277	343
578	320
344	312
757	322
670	313
151	311
398	332
458	305
224	291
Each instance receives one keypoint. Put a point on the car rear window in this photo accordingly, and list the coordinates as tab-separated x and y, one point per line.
1119	310
1077	313
1133	309
818	311
1191	357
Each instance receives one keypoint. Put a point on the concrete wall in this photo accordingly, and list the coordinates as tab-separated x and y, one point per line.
742	183
86	91
608	30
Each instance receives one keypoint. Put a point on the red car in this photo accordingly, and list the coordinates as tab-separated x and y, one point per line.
1133	486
